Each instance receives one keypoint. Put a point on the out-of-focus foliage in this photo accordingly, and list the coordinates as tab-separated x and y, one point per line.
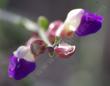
3	3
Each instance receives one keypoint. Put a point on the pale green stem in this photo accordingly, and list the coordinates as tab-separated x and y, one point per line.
27	23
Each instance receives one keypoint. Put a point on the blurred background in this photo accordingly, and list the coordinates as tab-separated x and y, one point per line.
89	66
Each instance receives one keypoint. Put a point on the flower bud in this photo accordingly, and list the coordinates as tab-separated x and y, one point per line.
37	45
64	50
53	27
43	22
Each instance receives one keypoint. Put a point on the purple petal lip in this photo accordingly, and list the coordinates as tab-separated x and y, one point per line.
20	68
90	23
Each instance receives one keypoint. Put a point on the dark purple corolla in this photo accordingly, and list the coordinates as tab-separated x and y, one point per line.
20	67
90	23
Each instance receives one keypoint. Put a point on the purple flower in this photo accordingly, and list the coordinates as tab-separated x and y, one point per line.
82	22
21	63
20	68
90	23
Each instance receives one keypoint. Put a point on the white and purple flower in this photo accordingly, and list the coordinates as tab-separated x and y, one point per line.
21	63
82	22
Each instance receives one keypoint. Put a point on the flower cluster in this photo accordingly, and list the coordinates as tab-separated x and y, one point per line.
78	22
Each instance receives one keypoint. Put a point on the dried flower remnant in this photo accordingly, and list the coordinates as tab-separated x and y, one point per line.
64	50
78	21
